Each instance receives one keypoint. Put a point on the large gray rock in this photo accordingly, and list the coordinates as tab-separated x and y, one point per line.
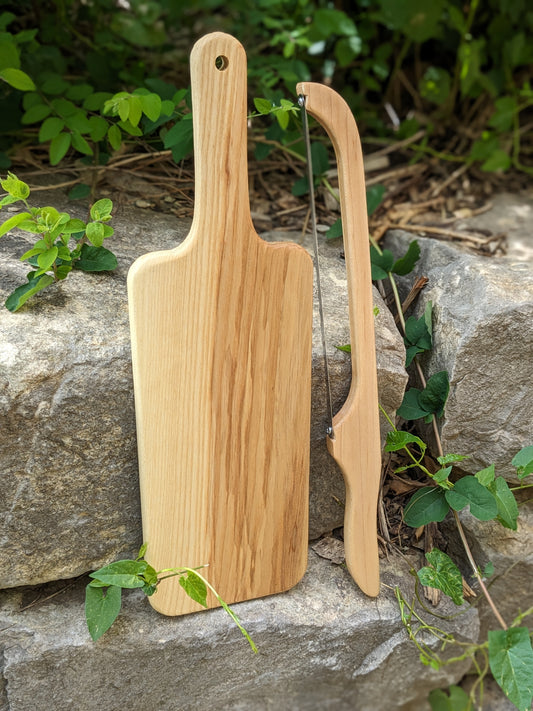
483	338
322	645
68	452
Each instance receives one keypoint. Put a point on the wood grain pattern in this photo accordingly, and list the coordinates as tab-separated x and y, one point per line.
221	346
355	444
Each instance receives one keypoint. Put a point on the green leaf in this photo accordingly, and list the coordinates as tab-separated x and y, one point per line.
427	505
345	349
485	476
97	128
59	147
458	700
102	606
36	113
54	85
451	458
335	230
80	144
135	110
151	106
381	263
73	226
433	397
180	139
374	197
13	222
95	233
50	128
441	477
122	573
46	259
22	293
262	106
443	575
511	664
405	264
79	92
397	439
410	408
95	259
505	109
507	506
417	335
469	492
96	101
523	462
142	551
114	137
498	161
82	190
15	187
195	587
17	79
319	158
101	210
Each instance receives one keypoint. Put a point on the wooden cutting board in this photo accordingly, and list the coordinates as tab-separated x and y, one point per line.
221	347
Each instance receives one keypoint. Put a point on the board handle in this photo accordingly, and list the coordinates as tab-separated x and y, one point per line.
219	108
355	444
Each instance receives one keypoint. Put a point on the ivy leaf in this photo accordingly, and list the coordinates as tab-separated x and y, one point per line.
102	606
405	264
374	197
418	336
335	230
523	462
443	575
458	700
506	502
485	476
410	408
122	574
381	263
427	505
22	293
469	492
95	259
511	664
434	396
397	439
195	587
451	458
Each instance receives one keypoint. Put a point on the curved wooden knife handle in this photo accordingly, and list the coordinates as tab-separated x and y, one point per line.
219	98
355	444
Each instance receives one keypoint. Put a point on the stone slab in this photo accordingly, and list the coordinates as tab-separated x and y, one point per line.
483	338
322	645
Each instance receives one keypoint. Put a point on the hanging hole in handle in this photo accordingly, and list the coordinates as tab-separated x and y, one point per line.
221	63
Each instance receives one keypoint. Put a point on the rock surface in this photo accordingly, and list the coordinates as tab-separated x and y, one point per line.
322	645
68	452
483	338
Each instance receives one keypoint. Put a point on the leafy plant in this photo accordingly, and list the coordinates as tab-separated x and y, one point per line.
103	595
51	256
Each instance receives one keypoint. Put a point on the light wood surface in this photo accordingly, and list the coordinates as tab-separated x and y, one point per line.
355	444
221	346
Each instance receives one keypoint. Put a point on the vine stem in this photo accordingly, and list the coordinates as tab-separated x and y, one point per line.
438	442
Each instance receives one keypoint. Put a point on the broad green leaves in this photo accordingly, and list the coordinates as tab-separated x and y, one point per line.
458	700
511	664
469	492
418	334
443	575
383	261
103	594
51	255
523	462
425	403
427	505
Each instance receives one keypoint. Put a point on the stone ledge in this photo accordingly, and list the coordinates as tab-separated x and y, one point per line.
321	645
